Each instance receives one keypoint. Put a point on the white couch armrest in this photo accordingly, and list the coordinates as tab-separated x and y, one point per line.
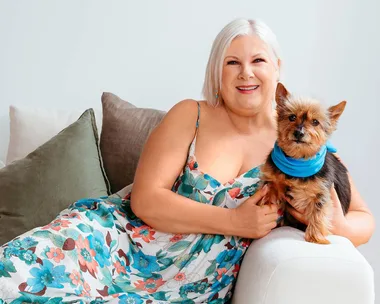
282	268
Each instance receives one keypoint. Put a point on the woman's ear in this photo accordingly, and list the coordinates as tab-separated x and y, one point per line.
279	62
278	69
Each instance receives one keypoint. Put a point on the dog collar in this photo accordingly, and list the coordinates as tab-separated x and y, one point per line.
300	167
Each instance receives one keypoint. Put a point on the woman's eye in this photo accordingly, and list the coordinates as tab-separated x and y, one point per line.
292	117
258	60
315	122
232	62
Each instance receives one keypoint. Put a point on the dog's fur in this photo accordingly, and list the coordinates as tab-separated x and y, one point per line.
311	194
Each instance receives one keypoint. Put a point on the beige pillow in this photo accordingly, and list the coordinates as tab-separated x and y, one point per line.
30	127
125	130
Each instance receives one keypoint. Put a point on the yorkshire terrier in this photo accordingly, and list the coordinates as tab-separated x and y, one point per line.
302	167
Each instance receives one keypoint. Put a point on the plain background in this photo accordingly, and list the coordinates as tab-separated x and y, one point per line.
153	54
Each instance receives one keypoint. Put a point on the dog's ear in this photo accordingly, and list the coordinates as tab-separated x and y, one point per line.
282	95
335	112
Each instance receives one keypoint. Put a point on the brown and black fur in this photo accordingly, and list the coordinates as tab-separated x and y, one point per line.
311	194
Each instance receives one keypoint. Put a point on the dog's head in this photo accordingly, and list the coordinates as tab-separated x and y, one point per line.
304	125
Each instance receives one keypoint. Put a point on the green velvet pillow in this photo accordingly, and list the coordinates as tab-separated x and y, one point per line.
35	189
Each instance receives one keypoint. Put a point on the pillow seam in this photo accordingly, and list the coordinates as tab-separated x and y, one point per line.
96	135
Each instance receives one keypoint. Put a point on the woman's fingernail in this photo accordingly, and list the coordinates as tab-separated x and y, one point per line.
265	188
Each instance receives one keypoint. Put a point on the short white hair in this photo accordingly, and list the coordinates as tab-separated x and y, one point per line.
239	27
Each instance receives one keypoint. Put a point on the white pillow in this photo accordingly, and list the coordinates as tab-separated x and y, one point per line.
31	127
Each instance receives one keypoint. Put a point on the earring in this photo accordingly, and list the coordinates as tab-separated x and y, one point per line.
216	95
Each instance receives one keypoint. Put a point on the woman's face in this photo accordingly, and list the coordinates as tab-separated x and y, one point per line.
249	76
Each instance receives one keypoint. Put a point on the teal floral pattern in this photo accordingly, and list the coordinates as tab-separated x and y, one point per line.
98	251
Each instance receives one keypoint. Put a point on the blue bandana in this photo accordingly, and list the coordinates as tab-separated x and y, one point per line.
301	167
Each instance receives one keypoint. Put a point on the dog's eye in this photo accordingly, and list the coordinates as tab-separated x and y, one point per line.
315	122
292	117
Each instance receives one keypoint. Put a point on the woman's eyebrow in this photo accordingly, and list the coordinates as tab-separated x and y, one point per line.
234	57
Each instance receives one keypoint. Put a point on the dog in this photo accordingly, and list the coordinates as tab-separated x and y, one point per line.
302	166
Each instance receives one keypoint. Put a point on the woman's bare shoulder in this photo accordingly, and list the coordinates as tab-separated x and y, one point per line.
184	114
187	104
180	119
187	109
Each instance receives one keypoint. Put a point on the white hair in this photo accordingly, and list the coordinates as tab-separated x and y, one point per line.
239	27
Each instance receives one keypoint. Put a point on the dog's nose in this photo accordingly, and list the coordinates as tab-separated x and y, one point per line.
298	134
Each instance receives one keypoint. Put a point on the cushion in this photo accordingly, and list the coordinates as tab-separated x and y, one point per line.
35	189
31	127
125	130
283	268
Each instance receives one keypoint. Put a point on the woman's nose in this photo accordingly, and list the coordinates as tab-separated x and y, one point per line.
246	72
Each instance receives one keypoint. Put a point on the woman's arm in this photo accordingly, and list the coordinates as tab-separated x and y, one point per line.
162	160
163	157
359	224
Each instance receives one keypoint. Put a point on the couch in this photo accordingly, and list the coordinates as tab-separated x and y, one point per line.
280	268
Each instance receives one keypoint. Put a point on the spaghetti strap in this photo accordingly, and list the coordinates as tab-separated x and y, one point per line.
199	112
191	153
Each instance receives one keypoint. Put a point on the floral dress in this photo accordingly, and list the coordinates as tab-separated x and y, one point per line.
98	251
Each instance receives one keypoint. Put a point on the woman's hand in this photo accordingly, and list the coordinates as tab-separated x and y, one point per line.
337	218
254	221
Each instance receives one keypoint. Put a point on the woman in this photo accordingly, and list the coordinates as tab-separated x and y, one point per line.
181	235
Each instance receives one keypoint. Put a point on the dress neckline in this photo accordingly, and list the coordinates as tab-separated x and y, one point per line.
195	167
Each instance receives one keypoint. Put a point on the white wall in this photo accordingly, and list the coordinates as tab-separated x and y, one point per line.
153	53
